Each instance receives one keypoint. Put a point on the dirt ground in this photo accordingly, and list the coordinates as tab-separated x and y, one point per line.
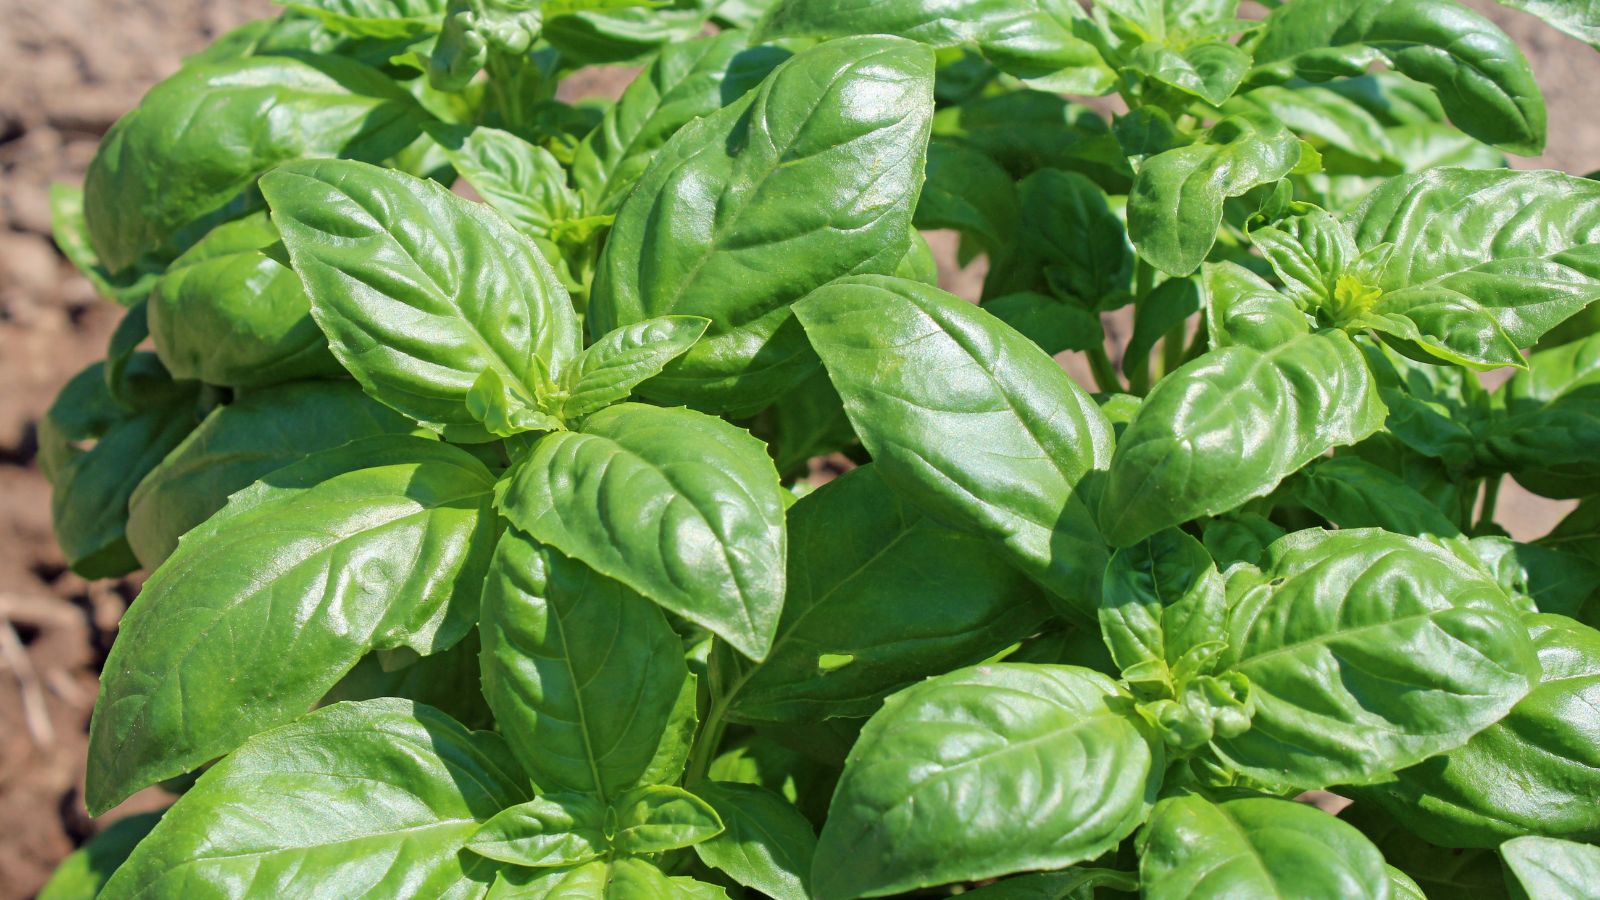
68	68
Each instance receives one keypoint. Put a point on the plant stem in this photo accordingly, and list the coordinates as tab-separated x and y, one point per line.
1491	495
1105	374
1172	347
711	730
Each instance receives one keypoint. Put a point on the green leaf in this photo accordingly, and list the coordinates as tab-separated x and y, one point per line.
967	191
765	845
420	290
524	183
377	544
598	32
1353	493
680	506
1481	78
1175	206
374	798
1551	869
226	312
659	817
1171	304
1230	425
1552	421
1055	885
810	177
983	772
1435	411
1578	18
549	830
1368	652
978	427
1532	772
618	361
623	879
880	596
582	673
1332	122
1026	130
393	20
85	871
1162	597
236	444
685	81
1067	241
95	451
188	155
1032	40
71	234
1050	322
1208	70
1254	847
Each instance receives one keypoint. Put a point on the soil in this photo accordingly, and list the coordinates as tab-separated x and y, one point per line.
68	68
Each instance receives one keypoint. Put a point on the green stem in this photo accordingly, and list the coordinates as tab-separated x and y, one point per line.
1491	496
1105	374
1172	347
1138	370
712	729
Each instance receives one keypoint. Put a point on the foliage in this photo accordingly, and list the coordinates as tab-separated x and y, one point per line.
472	464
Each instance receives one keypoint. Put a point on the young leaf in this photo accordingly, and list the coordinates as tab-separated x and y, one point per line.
682	507
659	817
185	158
582	673
560	829
809	177
978	427
377	544
1368	652
420	290
765	845
619	360
1254	847
525	183
983	772
374	798
1162	597
880	597
390	20
1068	242
1551	869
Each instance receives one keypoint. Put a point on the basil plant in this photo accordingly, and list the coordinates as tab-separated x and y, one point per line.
474	461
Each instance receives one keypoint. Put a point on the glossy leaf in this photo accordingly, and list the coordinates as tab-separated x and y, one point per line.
1068	241
1550	868
378	544
1162	597
765	845
978	427
379	798
622	879
880	597
1552	421
680	506
236	444
186	157
83	874
969	192
657	818
618	361
419	290
713	227
1255	847
1029	130
1050	322
549	830
1353	493
384	19
1334	123
582	673
1578	18
523	182
1368	652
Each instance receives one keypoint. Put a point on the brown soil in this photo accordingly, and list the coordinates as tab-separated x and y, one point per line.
68	68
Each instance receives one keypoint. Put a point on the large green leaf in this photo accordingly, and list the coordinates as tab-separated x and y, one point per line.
1257	847
976	425
1230	425
880	597
553	829
766	845
236	444
95	451
421	291
227	313
1368	652
1541	868
682	83
983	772
680	506
1533	772
1033	39
378	544
375	798
808	178
1552	422
1481	78
187	156
581	672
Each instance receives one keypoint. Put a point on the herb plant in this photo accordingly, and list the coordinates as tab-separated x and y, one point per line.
485	555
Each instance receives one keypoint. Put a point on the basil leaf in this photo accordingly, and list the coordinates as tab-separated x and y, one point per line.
1026	130
549	830
1254	847
682	507
405	20
71	234
1368	652
450	681
1162	597
378	544
618	361
380	797
523	182
582	673
969	192
1050	322
1230	425
1552	420
1069	242
1049	745
657	818
1208	70
160	180
807	422
1336	125
622	879
1549	868
1171	304
1481	78
1532	772
236	444
712	227
765	845
1572	17
880	597
83	874
1000	447
600	33
419	290
1353	493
